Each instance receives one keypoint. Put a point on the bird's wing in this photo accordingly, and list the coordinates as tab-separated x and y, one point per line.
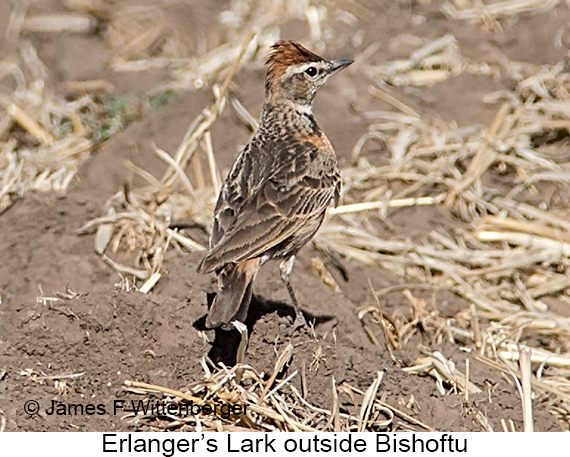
235	191
299	189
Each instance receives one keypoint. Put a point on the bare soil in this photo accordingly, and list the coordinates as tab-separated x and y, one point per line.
105	335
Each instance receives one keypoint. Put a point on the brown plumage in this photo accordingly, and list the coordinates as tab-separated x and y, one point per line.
274	198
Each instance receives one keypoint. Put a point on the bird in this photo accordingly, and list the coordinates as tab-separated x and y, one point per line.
275	196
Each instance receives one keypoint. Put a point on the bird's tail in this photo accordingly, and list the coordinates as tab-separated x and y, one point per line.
235	286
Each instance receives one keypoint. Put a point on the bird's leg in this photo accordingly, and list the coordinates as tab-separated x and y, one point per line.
285	268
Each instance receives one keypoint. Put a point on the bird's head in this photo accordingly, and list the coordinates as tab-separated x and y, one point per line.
295	73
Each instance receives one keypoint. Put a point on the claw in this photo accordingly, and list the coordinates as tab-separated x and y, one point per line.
299	322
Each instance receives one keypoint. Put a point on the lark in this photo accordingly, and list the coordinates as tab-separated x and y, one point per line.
275	197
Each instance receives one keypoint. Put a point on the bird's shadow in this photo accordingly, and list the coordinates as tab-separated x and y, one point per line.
226	342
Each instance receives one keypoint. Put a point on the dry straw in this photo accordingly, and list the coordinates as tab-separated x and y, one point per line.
270	407
506	255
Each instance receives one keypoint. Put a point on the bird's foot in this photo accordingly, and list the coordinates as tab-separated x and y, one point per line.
299	323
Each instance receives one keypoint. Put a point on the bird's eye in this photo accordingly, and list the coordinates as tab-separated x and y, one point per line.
311	71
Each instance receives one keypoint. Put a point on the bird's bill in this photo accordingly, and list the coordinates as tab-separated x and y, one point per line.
340	64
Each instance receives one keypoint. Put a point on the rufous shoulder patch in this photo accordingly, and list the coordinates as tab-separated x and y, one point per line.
320	140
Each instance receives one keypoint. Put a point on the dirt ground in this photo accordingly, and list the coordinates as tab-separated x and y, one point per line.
100	333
